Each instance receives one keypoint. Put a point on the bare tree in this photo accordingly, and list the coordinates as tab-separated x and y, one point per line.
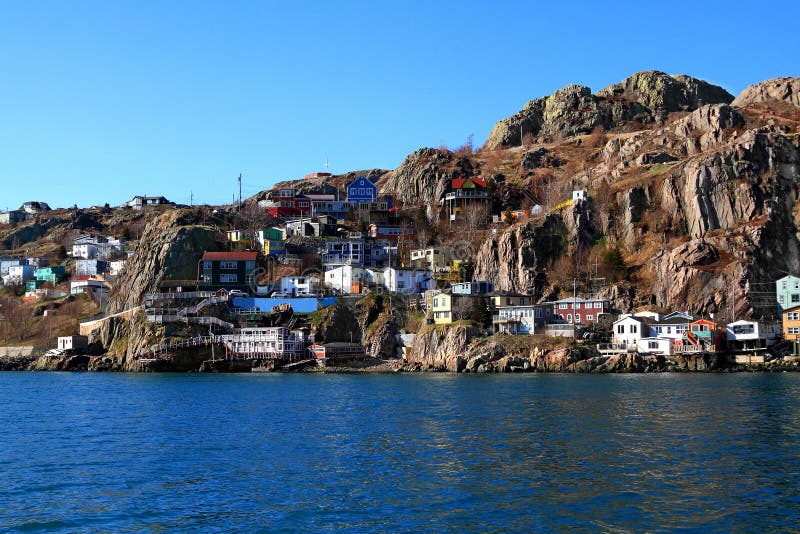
461	307
474	220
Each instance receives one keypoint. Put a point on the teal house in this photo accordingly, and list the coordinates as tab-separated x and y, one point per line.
54	274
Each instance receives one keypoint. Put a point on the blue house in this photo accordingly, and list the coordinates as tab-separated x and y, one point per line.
362	190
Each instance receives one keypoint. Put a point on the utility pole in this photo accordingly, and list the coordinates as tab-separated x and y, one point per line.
191	199
240	190
574	297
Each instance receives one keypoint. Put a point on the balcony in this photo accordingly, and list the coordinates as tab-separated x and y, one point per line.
467	194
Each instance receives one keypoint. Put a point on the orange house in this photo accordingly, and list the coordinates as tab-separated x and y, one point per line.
791	323
707	334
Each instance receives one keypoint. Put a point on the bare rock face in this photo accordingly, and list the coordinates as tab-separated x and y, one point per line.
705	127
442	349
424	175
780	89
644	97
515	259
170	249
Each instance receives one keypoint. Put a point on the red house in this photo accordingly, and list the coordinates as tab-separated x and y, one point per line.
287	203
579	310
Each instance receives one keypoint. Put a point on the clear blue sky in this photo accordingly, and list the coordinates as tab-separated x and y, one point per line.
100	101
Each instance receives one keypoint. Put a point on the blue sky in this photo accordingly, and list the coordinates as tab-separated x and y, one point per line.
100	101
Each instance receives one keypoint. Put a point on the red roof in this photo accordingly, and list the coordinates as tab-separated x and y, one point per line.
318	175
458	183
230	256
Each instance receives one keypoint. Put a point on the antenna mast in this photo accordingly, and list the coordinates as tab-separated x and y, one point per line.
240	190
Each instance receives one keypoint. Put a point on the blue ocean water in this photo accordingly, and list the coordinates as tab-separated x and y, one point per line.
616	453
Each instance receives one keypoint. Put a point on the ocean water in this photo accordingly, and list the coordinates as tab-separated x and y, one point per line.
399	453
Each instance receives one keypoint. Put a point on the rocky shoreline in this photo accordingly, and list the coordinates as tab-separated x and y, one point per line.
557	361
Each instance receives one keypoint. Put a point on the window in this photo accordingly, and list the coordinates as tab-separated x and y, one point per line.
795	297
590	317
227	265
634	328
620	329
652	344
401	285
207	265
783	285
250	265
228	279
794	330
569	318
207	278
562	306
780	299
793	316
436	302
577	317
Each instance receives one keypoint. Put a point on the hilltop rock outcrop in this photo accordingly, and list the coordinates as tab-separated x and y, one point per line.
777	89
643	98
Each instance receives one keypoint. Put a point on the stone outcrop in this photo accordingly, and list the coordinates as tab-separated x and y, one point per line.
777	89
644	98
442	349
425	175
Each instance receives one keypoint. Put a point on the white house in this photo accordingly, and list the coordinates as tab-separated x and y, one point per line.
407	280
115	267
73	342
434	259
351	279
752	335
18	274
91	247
86	285
524	319
654	345
299	286
628	330
673	325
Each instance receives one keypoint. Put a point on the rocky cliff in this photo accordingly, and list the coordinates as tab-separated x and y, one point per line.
170	249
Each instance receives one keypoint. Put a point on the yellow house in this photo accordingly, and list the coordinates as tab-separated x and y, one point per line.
791	324
442	308
448	308
240	236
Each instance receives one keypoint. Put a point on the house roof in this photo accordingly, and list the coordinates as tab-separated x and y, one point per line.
578	300
792	309
642	320
673	321
230	256
458	183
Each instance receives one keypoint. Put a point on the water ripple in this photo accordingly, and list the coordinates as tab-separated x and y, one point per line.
188	453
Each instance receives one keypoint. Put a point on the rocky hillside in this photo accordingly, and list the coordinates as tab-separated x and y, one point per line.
698	194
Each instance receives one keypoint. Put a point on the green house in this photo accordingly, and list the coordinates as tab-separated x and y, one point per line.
273	241
52	274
